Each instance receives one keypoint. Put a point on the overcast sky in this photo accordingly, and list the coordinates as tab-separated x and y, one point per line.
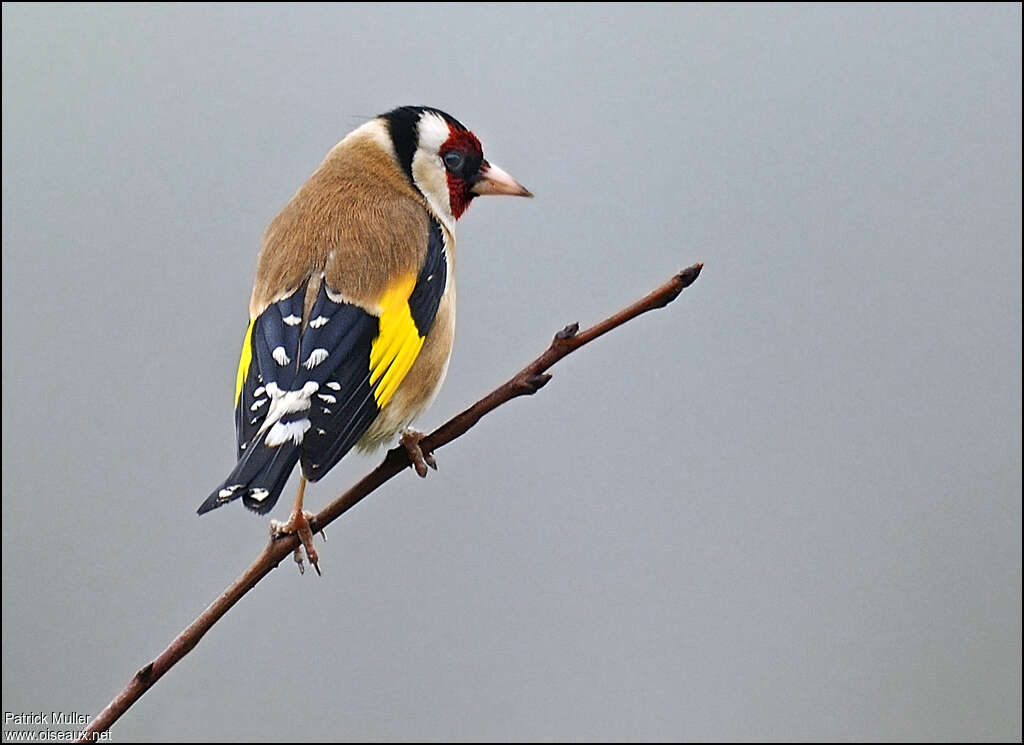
786	507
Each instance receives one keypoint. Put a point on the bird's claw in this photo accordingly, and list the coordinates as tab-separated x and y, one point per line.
420	460
298	524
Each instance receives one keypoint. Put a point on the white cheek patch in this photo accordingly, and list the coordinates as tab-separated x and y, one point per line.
427	169
433	131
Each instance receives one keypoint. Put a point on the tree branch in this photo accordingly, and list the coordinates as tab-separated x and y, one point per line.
526	382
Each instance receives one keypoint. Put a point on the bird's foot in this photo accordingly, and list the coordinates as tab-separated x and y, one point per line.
420	460
298	524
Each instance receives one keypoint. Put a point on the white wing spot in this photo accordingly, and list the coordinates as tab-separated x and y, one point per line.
315	358
318	322
259	494
292	320
280	356
259	392
333	385
327	398
258	404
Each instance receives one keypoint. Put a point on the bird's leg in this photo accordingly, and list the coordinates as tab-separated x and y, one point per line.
298	523
420	460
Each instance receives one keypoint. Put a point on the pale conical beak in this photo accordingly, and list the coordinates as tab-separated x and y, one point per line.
493	180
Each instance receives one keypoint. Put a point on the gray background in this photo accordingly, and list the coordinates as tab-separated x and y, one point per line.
787	507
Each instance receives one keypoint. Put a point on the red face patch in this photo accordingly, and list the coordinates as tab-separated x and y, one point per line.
462	173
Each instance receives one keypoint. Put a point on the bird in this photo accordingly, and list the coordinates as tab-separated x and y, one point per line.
352	312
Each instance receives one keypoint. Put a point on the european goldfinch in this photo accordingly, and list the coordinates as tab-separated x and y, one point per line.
352	314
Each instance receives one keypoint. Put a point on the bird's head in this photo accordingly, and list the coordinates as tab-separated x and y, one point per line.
444	160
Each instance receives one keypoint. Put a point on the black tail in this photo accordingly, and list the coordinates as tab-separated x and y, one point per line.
258	477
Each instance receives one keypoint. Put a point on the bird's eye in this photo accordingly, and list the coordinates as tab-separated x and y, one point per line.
454	160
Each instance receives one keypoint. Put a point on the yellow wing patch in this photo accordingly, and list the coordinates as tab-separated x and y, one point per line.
397	344
244	361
